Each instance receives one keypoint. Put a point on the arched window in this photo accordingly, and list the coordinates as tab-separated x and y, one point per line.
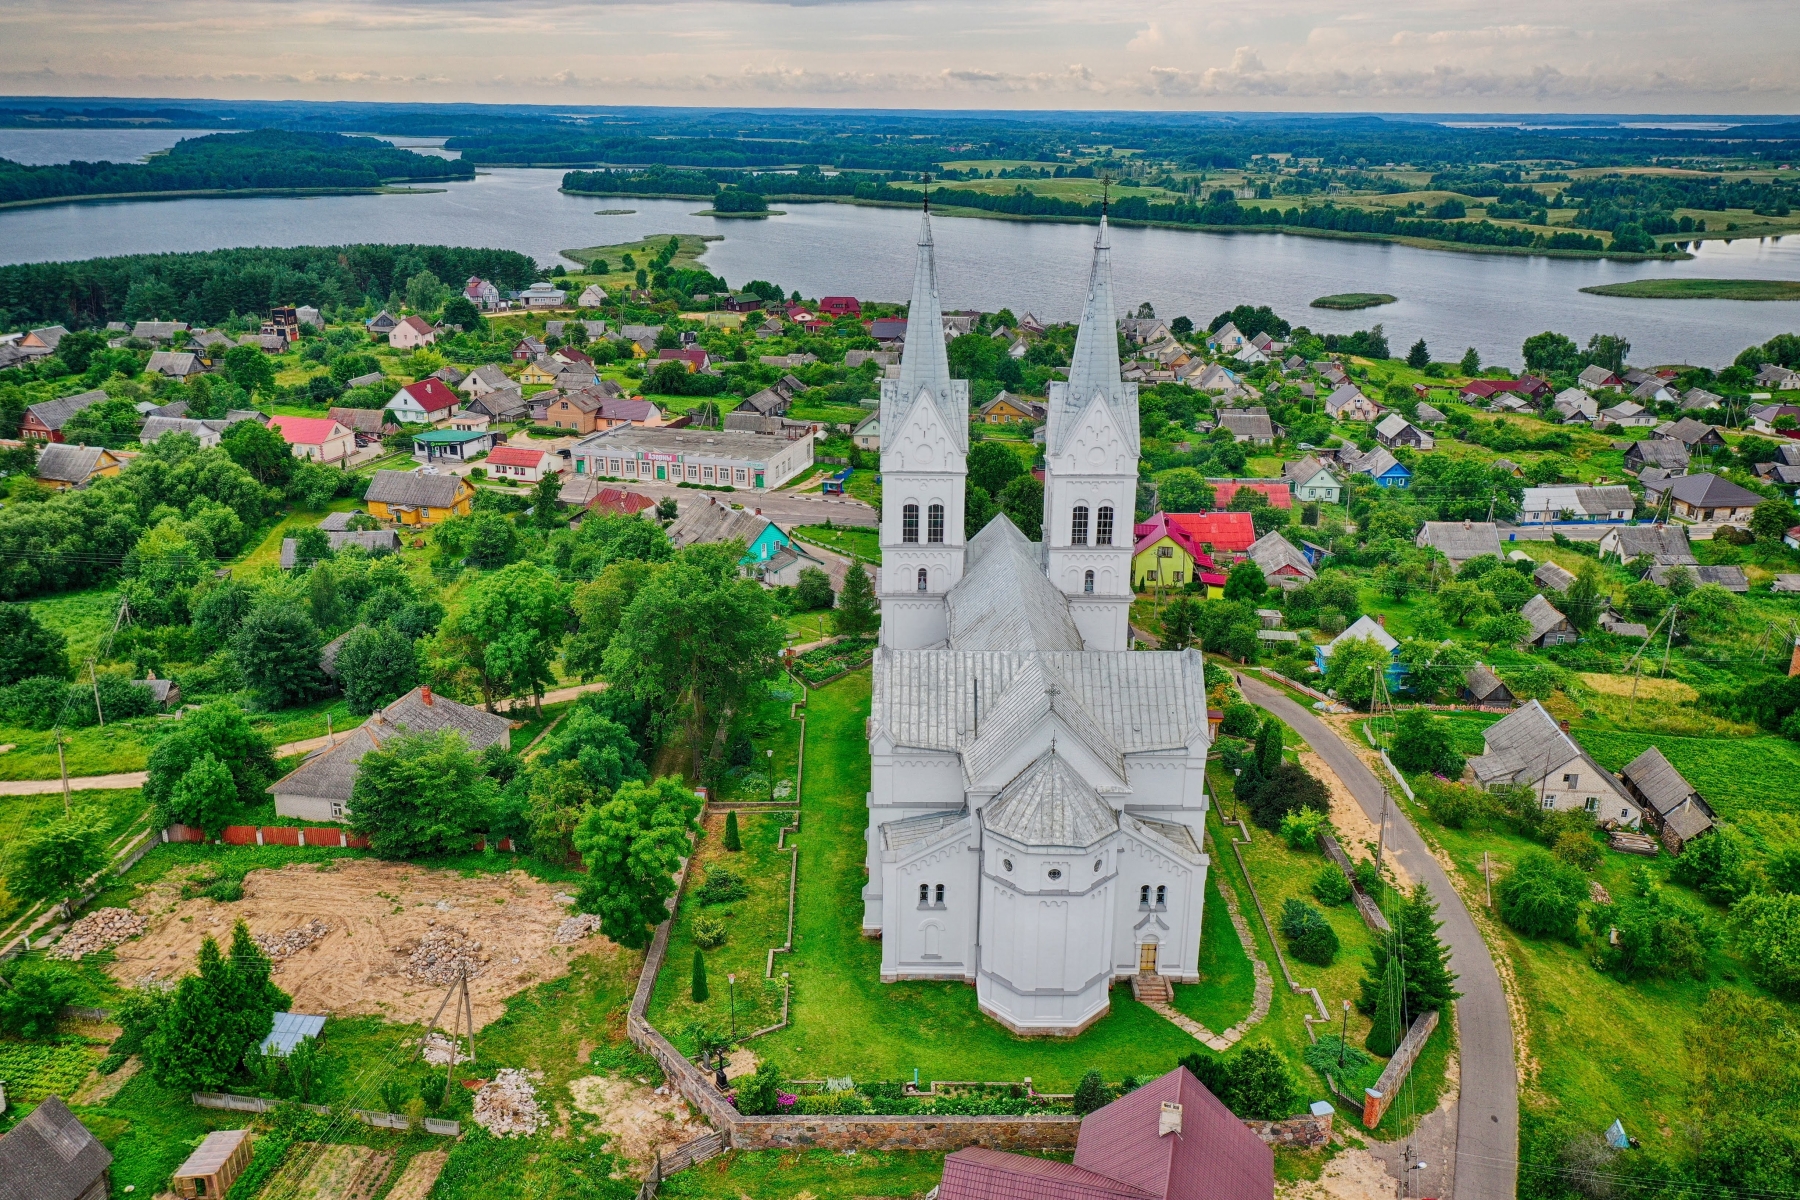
940	895
1078	521
1103	525
921	579
924	894
909	523
1087	582
1162	895
1144	894
934	523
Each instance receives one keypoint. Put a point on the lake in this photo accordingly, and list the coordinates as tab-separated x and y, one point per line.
1453	300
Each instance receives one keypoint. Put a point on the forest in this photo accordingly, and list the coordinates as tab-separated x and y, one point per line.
258	160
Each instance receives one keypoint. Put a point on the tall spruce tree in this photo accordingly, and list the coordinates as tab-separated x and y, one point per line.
855	613
732	840
1424	959
1388	1029
1268	748
700	993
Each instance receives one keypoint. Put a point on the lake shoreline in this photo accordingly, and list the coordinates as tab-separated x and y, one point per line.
231	193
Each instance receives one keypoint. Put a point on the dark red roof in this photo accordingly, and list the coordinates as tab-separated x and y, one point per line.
1232	531
431	394
982	1174
1214	1157
619	501
514	456
1279	493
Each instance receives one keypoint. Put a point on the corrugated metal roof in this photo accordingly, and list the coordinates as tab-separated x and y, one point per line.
896	835
289	1031
1050	804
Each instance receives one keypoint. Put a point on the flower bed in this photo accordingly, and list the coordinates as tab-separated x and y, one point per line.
825	662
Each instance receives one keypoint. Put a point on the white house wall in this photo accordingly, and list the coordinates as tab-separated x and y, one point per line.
1173	925
931	940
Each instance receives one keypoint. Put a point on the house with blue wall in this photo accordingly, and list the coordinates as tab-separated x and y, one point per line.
706	519
1380	465
1364	627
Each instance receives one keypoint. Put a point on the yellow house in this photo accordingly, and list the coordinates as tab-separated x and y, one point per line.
409	498
1167	556
538	372
1008	409
61	465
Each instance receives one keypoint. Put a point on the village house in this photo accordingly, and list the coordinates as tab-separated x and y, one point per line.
1282	563
502	404
840	306
1481	686
1665	545
207	433
590	329
1368	629
484	379
42	341
1249	425
1380	465
542	295
716	457
529	349
1347	403
1777	378
1311	481
1395	430
410	333
640	339
372	541
1164	554
1482	391
576	410
320	439
49	1155
1670	805
179	365
367	424
1728	576
1529	749
1210	377
1691	433
712	520
1584	505
1460	541
521	463
426	402
1552	578
621	502
1627	414
695	358
1596	377
451	445
414	498
592	296
1575	407
543	371
1764	418
1008	409
44	421
1664	453
1698	399
1226	339
158	331
319	789
1707	497
867	434
1653	391
381	324
61	466
1548	626
481	294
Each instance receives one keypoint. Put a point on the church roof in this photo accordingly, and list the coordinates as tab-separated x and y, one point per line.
1094	367
924	360
1004	601
897	835
1037	693
1049	804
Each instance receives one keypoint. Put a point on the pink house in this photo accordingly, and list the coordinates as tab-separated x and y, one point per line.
318	438
411	333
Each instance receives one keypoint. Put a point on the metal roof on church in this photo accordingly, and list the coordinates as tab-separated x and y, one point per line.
1004	601
1050	804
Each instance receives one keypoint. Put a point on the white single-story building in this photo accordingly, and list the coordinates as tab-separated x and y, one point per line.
709	457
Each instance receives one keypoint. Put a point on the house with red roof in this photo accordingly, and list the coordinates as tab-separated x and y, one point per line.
840	306
318	438
695	358
1279	493
1171	1139
1165	555
520	463
411	333
423	403
1228	533
620	501
1478	391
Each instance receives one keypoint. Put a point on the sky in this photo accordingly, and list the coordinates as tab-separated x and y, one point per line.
1639	56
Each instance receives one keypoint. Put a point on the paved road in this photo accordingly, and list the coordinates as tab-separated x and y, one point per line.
1487	1137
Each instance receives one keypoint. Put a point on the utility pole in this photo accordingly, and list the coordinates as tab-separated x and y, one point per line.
63	766
94	680
1487	873
1668	643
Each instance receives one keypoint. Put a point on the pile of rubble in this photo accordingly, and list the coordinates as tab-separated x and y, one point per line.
444	956
574	928
507	1106
291	942
99	930
436	1049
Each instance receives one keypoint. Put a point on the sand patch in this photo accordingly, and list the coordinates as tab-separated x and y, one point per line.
1353	824
1351	1175
421	1173
378	913
637	1122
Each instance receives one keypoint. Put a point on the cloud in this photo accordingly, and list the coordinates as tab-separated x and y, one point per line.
1150	37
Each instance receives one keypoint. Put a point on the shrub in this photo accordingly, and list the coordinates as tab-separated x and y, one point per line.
1653	934
1450	805
1290	788
760	1094
1542	896
1330	1055
1310	936
1301	828
1578	849
1258	1086
35	992
1090	1094
698	991
1240	720
1768	932
721	886
1329	887
1368	878
709	932
733	841
1715	866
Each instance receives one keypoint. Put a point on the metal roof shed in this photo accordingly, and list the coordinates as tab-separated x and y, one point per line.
290	1030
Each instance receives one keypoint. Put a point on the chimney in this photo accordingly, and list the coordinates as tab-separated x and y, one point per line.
1381	620
1169	1119
1563	725
425	695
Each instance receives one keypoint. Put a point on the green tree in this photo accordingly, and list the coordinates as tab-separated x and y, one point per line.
52	862
1259	1085
632	846
1584	601
278	648
1542	896
1310	936
1180	623
376	666
1388	1029
813	592
1183	490
1022	501
733	840
1419	357
109	423
221	730
311	545
599	606
699	992
1351	670
1246	582
1434	668
420	794
546	502
1767	925
259	450
1607	350
1771	520
28	647
1550	353
1423	742
1425	961
250	369
1090	1094
855	614
1471	361
216	1016
510	631
1743	1079
1656	935
993	465
204	797
33	996
561	795
425	292
978	509
1717	866
460	310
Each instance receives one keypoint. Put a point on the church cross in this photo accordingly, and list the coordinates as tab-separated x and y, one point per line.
928	193
1105	192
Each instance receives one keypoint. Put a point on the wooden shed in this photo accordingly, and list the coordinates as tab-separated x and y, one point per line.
215	1166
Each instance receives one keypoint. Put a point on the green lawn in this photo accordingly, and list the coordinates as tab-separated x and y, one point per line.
809	1175
267	552
856	541
118	746
1227	986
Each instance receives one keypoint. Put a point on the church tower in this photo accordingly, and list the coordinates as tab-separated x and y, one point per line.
1090	477
924	460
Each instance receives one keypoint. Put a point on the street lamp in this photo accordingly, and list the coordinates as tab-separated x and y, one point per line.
771	754
731	986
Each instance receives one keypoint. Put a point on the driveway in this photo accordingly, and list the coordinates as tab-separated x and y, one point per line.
1487	1125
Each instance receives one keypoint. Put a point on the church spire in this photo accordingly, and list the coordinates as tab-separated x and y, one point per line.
1095	366
924	363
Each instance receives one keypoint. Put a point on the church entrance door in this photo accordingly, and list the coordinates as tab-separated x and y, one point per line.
1147	958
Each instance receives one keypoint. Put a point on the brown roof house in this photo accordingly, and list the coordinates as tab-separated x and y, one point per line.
1671	805
319	788
1168	1140
52	1156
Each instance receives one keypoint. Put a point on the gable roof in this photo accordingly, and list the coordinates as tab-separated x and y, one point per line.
306	431
1378	463
1665	543
1213	1157
1459	541
978	1173
1654	780
1661	452
1248	422
1272	553
515	456
1542	615
1004	601
155	427
1731	578
411	489
1483	684
330	772
1158	527
50	1155
362	420
1365	626
430	394
1690	432
369	539
1553	576
1393	425
1305	470
63	463
55	413
712	521
1230	531
1705	491
1524	744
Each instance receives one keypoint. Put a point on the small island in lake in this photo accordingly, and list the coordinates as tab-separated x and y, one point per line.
1700	289
1348	301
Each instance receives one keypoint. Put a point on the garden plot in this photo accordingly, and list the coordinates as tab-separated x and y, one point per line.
394	931
422	1170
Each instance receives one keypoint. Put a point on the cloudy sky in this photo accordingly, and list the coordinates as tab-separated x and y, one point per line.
1735	56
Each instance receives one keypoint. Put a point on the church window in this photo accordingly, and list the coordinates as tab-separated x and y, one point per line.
909	523
1144	895
1087	582
1006	864
934	523
1103	526
1055	874
1162	895
940	895
922	578
1078	525
1098	862
924	894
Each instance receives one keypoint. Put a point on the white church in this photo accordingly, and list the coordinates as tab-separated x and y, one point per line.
1038	792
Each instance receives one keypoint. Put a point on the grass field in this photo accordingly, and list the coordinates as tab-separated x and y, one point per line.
1701	289
1227	986
810	1175
855	541
1354	300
